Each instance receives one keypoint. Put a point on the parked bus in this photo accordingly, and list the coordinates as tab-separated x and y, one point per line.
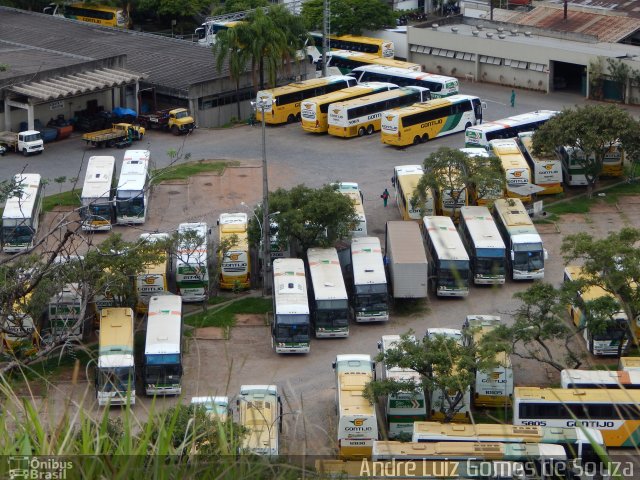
405	181
572	170
97	194
615	412
285	101
63	313
402	408
132	193
345	61
328	294
574	378
370	295
153	280
217	408
630	364
515	167
21	214
352	190
453	196
115	376
363	115
525	253
481	195
547	171
162	371
235	267
315	111
104	15
357	421
448	259
427	120
605	340
439	85
510	127
290	329
579	442
493	388
260	413
207	32
19	328
486	249
356	43
192	268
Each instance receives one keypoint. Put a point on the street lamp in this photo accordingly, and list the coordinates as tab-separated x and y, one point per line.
266	251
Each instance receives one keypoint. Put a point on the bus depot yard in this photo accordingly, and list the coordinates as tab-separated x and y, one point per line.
307	383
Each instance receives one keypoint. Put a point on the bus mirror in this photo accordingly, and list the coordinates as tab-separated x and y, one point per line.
379	345
546	254
484	105
333	365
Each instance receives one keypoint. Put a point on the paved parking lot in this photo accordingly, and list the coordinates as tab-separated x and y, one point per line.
220	367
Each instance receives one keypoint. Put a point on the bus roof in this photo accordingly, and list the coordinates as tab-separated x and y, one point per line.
591	292
326	274
509	153
134	173
515	217
514	121
397	373
305	84
630	363
475	152
445	238
571	395
408	170
481	227
405	72
573	378
259	413
526	140
116	335
188	252
289	287
164	325
137	155
374	97
21	204
367	262
260	390
346	93
431	104
99	177
353	373
233	222
374	59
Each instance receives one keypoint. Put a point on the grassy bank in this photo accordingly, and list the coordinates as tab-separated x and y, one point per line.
183	171
224	315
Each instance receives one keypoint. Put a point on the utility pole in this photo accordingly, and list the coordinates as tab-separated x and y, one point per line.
326	28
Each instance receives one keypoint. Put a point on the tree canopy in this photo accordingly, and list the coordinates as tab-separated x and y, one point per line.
349	17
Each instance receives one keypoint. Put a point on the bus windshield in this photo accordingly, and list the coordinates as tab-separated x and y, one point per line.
116	379
294	331
332	313
32	137
494	266
130	207
528	256
103	211
614	330
20	234
371	296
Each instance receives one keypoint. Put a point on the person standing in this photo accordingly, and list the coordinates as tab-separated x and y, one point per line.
385	197
513	98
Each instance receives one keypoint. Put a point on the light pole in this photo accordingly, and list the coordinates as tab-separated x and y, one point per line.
263	236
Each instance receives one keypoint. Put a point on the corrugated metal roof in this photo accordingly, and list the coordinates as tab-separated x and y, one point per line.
605	27
164	61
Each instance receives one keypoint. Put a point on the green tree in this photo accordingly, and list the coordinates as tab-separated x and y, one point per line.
229	48
446	367
349	16
232	6
612	263
592	130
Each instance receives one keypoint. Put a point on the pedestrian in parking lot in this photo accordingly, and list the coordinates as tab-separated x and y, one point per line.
513	98
385	196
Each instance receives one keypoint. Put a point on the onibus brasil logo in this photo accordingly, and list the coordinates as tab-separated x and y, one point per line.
38	468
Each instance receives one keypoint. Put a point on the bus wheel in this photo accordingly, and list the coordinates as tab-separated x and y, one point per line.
425	138
298	117
361	132
291	118
416	140
467	125
369	129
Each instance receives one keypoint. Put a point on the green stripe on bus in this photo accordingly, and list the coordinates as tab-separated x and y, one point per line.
633	440
451	122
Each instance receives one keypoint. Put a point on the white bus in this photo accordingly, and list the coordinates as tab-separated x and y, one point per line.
403	408
572	166
370	294
115	376
405	181
439	85
516	169
64	310
630	364
486	249
363	115
573	378
547	171
525	254
97	194
192	269
481	135
21	215
448	259
328	294
260	413
162	371
493	388
357	421
132	193
291	327
352	190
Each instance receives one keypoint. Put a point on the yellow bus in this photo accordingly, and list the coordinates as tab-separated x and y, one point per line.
547	171
346	60
285	101
152	280
235	266
99	14
423	121
356	43
615	412
516	168
315	111
362	115
405	180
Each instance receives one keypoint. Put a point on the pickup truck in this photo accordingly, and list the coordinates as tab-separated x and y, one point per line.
176	120
27	142
110	137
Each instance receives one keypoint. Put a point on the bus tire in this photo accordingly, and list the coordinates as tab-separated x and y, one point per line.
291	118
174	130
24	152
468	124
361	132
425	138
369	129
298	117
417	140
